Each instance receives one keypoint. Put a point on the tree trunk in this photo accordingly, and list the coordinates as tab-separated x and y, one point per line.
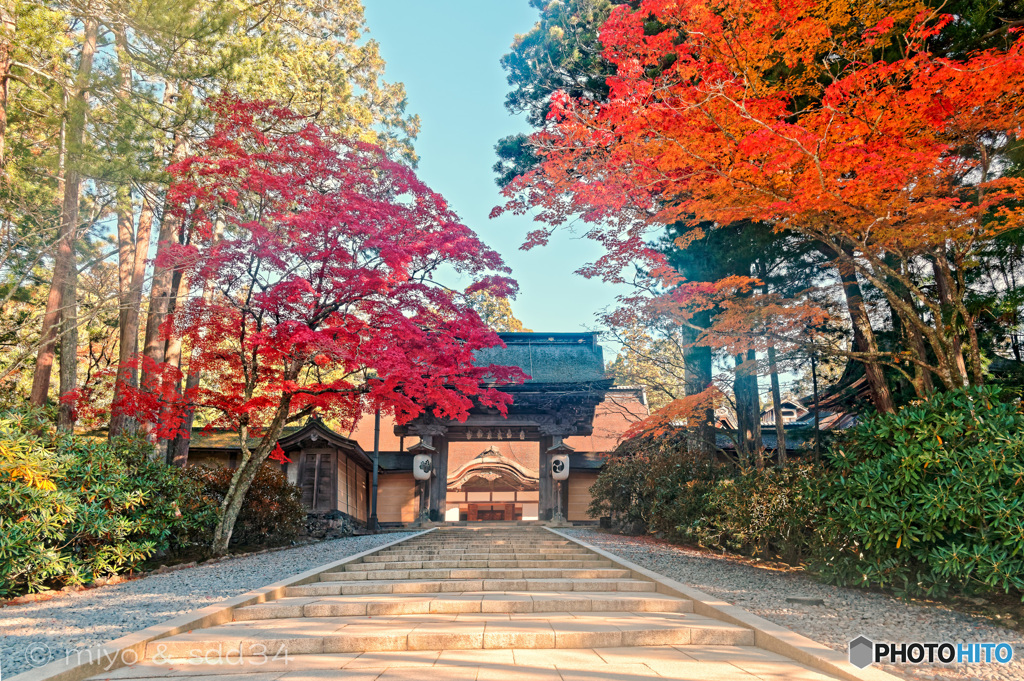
8	31
773	371
817	409
178	451
697	379
243	477
780	429
137	242
159	300
155	343
172	354
864	336
748	421
748	413
64	262
952	302
68	374
133	249
127	250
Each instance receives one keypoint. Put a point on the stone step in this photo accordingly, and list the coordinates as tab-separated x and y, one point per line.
448	546
373	586
435	565
477	573
459	550
462	555
478	564
458	603
649	663
485	549
481	536
304	635
483	546
531	538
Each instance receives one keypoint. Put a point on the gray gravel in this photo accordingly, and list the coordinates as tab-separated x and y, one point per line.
847	613
36	633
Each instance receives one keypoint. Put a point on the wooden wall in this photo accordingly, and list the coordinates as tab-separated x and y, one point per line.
580	483
396	498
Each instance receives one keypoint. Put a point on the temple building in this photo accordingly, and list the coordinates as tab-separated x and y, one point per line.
536	463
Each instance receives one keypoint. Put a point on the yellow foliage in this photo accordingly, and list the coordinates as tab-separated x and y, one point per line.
16	464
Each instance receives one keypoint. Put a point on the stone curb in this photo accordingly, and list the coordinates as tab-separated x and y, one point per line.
131	649
767	635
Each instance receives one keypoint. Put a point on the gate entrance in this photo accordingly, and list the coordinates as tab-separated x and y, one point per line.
492	486
490	513
566	383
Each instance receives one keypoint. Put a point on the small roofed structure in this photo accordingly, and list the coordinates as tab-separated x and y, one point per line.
331	470
792	411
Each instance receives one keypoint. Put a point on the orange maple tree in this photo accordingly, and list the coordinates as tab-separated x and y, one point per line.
785	114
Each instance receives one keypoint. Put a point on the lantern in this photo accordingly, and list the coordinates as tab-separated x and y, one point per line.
560	467
422	466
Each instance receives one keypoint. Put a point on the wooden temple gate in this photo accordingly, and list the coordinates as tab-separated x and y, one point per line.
567	382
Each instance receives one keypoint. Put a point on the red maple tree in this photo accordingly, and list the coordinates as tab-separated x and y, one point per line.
312	262
784	114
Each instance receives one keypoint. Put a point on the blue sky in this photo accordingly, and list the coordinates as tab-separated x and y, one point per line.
447	53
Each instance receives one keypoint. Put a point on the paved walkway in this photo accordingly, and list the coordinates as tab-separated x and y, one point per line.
470	604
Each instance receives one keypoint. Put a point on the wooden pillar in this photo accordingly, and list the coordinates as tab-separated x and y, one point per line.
546	506
564	486
439	481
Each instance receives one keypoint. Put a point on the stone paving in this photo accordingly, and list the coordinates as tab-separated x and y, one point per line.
470	603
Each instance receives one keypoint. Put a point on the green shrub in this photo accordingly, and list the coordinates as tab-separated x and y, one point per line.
766	513
929	499
621	492
272	513
73	509
653	484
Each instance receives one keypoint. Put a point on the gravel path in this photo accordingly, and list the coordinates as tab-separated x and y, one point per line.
847	613
36	633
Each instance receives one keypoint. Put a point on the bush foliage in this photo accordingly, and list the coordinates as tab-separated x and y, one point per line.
766	513
73	510
927	500
654	484
651	483
272	513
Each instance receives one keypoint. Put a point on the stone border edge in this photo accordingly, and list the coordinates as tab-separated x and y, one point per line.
110	656
768	635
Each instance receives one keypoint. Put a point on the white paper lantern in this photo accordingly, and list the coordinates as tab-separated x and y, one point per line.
560	466
422	466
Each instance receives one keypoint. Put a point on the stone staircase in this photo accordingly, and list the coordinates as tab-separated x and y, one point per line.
463	589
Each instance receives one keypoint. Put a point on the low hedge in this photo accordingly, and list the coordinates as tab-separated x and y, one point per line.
272	513
73	510
768	513
928	500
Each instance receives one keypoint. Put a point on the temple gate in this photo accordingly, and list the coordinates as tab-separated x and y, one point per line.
567	382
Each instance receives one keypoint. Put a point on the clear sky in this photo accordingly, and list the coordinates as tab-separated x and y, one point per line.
447	53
